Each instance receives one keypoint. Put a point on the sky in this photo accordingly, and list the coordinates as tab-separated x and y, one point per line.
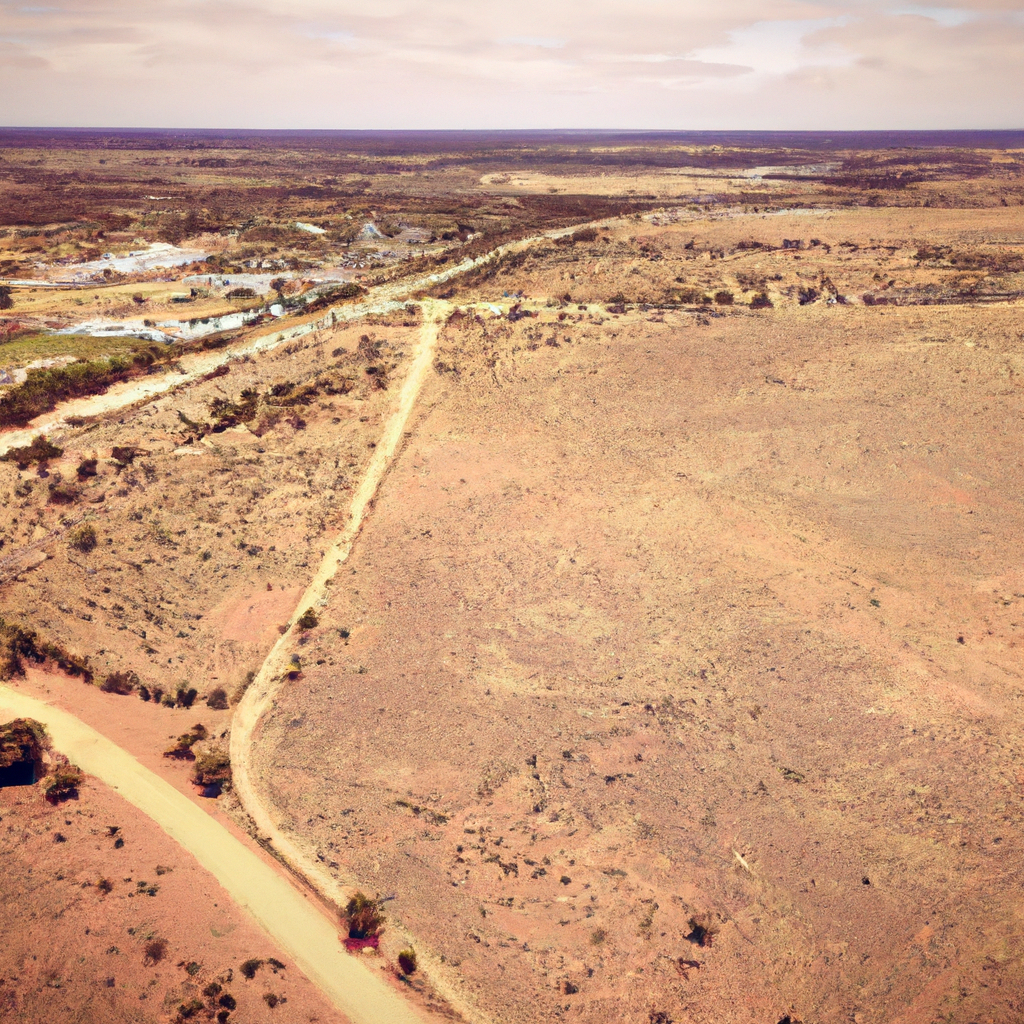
626	64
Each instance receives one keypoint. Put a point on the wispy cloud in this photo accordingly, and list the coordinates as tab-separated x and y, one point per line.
615	63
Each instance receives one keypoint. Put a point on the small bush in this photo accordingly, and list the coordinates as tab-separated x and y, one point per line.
105	885
308	620
6	302
723	298
217	699
155	951
363	917
212	769
761	301
125	454
407	961
86	469
122	683
241	293
39	451
702	930
250	967
63	494
270	999
228	1000
186	698
597	936
83	538
63	784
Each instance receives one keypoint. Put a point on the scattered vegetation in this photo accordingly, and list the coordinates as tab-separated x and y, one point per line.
307	620
62	783
212	770
18	644
122	683
43	389
182	749
39	451
83	538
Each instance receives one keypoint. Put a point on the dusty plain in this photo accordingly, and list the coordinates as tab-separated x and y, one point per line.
675	673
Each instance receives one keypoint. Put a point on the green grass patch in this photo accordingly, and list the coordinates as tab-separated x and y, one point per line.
30	347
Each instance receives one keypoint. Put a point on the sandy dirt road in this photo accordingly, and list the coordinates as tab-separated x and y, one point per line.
292	920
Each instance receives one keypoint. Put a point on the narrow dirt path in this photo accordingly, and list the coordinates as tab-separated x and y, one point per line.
264	688
296	923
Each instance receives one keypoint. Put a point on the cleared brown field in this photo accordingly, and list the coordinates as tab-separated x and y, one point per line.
680	619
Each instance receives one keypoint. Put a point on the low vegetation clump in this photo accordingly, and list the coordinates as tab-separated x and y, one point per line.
83	538
62	783
702	930
155	951
212	770
22	743
43	389
182	749
39	451
407	961
307	620
122	683
364	919
217	699
18	644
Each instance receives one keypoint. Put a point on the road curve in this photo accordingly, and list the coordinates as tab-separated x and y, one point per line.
294	922
260	695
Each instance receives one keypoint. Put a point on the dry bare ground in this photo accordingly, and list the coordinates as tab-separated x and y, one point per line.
681	627
673	673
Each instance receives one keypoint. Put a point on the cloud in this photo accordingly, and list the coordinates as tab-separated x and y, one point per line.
448	63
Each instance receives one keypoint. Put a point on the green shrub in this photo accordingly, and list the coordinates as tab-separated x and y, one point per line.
724	298
407	957
6	302
217	699
63	783
308	620
212	769
122	683
363	917
39	451
44	388
761	301
86	469
83	538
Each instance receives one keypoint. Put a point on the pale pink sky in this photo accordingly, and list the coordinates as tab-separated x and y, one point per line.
757	64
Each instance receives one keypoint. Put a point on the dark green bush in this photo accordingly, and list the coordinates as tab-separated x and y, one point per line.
121	683
83	538
39	451
308	620
217	699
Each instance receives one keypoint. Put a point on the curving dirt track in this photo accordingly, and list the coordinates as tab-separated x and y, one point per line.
261	694
291	919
